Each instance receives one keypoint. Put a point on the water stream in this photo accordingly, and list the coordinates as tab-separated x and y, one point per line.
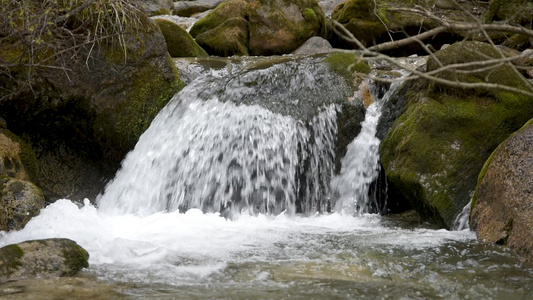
226	197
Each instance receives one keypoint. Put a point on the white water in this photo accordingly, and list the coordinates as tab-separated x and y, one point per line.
177	249
138	236
360	165
221	157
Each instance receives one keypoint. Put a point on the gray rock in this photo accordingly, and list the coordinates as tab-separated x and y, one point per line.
42	258
502	209
314	45
19	202
155	7
189	8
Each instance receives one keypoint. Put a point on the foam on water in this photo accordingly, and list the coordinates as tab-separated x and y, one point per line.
178	248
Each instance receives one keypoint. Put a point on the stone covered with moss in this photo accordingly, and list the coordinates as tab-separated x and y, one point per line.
372	22
19	202
179	42
502	206
259	27
228	39
42	258
281	26
88	111
436	149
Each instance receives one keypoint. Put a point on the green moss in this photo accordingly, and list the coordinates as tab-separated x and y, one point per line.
76	258
179	42
309	15
440	144
135	115
228	39
345	64
10	260
223	12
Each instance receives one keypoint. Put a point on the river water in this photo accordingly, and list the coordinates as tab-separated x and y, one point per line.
224	199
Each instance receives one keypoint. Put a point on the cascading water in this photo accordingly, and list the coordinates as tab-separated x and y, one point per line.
259	139
360	165
224	157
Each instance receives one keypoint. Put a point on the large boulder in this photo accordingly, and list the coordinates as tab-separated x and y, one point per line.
224	31
502	207
280	27
228	39
85	108
373	22
437	147
42	258
514	12
19	202
260	27
179	42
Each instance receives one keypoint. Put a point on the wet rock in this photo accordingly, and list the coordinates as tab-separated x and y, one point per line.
435	150
189	8
179	42
314	45
42	258
502	207
19	202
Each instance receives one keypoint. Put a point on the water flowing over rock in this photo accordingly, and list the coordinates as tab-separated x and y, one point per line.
261	140
502	210
360	165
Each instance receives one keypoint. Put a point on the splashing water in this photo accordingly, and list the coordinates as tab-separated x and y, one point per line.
218	156
245	158
360	165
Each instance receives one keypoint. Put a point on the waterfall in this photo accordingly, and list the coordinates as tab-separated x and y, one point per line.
360	166
257	140
214	147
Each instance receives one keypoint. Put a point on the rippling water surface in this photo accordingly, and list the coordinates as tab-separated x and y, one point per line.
331	256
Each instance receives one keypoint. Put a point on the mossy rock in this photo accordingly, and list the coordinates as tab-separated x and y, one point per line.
472	51
20	201
515	12
42	258
228	39
347	65
280	27
179	42
17	159
92	108
222	13
436	149
373	22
